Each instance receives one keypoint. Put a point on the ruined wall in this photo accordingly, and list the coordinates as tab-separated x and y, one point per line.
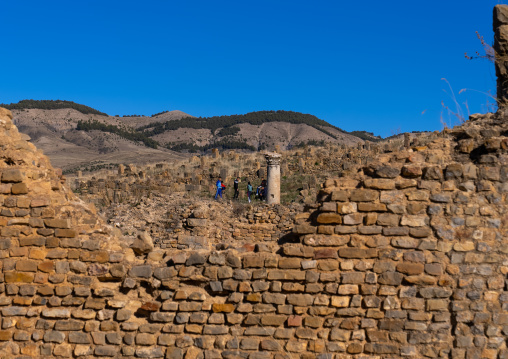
409	258
500	24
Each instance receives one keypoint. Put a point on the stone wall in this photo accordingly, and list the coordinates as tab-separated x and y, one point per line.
407	258
500	24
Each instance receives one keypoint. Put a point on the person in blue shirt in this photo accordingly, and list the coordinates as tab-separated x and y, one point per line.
219	188
249	191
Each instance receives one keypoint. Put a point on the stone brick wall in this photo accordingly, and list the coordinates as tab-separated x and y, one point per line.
408	258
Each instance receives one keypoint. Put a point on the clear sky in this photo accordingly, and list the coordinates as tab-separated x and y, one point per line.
360	65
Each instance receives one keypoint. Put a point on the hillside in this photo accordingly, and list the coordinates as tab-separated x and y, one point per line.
54	132
75	136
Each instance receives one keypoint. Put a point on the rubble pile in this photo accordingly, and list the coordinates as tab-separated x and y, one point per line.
176	221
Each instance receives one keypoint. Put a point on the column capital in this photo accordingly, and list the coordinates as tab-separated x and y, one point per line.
273	159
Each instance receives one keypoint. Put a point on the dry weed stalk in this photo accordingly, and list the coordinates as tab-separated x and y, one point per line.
458	113
490	53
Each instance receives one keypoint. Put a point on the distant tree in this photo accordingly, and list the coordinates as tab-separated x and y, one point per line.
253	118
122	132
51	105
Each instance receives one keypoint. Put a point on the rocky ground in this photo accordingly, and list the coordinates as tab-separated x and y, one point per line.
178	221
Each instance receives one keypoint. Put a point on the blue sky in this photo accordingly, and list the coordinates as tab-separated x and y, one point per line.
370	65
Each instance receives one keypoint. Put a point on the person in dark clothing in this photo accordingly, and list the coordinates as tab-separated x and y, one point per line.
235	185
261	191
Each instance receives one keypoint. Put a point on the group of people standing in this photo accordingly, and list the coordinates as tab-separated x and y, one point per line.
260	191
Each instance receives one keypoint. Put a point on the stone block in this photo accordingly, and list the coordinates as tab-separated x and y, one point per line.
304	229
358	253
391	278
364	195
19	277
14	175
379	183
379	348
289	263
223	308
327	218
388	220
141	271
53	336
19	188
64	223
410	268
106	351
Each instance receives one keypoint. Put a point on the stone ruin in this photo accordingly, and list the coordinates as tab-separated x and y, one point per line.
407	258
500	25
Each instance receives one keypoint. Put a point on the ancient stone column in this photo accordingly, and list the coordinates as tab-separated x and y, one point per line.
407	140
273	178
500	24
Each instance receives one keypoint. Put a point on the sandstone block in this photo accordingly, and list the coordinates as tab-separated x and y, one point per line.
327	218
19	277
405	242
328	265
273	320
53	336
215	330
378	348
325	253
437	304
411	171
26	266
223	308
414	221
386	219
364	195
289	263
286	275
145	339
58	223
410	268
353	278
270	345
294	321
358	253
14	175
353	219
347	207
391	278
19	188
380	183
341	335
340	196
371	207
340	302
106	351
79	338
329	207
348	289
304	229
141	271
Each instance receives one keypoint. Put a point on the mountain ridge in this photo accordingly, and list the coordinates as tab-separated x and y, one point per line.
78	135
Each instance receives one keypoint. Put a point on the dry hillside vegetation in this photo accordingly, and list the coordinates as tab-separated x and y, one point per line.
82	138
